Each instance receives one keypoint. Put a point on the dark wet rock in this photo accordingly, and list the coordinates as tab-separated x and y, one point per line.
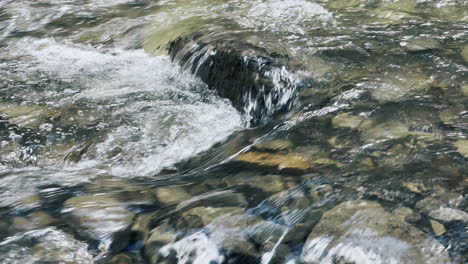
362	231
274	145
348	52
448	215
240	72
100	217
202	216
171	195
289	162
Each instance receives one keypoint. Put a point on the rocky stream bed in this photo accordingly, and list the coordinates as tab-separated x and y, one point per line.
193	132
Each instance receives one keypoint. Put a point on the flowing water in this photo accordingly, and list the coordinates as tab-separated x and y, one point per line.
248	131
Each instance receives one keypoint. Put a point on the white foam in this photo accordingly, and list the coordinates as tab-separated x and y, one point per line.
50	245
196	249
284	15
158	116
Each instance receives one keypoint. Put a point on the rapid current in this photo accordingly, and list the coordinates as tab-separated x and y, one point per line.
233	131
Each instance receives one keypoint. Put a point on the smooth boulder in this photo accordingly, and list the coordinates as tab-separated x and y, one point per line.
362	231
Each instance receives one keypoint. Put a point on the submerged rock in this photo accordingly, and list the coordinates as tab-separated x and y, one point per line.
347	120
267	183
362	231
439	200
28	116
140	226
121	259
450	115
202	216
171	195
464	53
415	187
462	147
159	237
448	215
406	214
290	162
464	89
384	132
48	245
274	145
101	217
420	44
437	228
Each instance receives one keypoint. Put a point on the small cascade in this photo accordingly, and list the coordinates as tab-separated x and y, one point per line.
257	83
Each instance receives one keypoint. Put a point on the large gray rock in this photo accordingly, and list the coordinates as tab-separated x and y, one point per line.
362	231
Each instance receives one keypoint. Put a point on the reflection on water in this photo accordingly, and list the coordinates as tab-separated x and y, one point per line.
112	152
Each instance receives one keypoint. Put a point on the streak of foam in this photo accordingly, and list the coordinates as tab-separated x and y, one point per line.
195	249
159	116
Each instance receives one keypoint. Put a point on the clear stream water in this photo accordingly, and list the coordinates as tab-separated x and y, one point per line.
113	151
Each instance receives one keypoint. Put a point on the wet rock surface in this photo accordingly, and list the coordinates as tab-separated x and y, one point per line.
355	230
102	218
290	162
255	81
